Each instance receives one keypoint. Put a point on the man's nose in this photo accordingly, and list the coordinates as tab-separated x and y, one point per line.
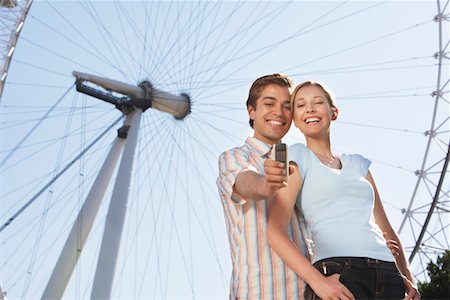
279	109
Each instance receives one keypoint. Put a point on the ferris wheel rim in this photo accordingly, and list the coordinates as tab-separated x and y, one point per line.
439	55
14	37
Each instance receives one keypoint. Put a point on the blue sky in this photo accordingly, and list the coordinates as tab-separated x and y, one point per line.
377	58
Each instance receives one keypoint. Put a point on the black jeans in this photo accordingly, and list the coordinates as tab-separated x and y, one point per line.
366	278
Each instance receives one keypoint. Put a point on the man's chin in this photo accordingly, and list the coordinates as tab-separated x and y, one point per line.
278	135
276	138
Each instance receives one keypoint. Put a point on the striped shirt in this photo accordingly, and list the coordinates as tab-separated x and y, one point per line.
258	272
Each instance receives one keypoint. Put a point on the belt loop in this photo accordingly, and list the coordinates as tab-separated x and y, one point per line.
348	262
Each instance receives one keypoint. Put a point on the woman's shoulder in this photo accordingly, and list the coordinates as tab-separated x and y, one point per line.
298	147
357	160
353	156
299	153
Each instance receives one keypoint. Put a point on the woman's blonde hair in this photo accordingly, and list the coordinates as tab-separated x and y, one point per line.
328	94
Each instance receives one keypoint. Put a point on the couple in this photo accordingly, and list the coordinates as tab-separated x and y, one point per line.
330	200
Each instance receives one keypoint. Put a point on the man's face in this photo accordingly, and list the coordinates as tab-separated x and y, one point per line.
272	116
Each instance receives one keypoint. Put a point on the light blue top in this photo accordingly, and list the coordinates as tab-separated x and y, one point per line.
338	207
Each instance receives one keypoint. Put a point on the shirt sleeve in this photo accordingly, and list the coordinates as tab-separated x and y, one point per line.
299	154
364	164
231	163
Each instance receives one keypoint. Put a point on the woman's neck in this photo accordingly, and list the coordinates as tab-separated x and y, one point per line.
321	147
322	150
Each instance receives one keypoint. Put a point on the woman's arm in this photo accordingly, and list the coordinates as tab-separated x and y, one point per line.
385	226
280	214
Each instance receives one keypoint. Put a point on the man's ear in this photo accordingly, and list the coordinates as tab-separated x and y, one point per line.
251	112
334	113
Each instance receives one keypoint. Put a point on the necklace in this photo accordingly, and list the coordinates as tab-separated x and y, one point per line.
333	162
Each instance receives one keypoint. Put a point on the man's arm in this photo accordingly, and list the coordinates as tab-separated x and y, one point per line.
255	186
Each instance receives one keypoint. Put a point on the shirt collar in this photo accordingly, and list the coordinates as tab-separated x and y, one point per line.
258	146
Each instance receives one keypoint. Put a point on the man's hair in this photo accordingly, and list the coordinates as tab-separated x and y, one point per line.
328	94
260	83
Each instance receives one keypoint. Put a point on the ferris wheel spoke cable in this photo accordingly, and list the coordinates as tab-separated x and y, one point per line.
193	164
12	152
63	170
380	127
359	67
365	43
172	211
239	37
198	47
217	65
98	54
205	201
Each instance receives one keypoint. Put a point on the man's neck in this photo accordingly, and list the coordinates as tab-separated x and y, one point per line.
266	141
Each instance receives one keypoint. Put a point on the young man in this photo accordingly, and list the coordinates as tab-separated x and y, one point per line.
247	179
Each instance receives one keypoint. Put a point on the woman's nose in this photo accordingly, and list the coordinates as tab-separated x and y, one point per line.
310	108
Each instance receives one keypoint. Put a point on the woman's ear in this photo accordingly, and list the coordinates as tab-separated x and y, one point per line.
295	122
334	113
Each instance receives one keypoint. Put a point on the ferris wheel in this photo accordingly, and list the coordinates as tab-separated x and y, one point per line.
13	17
427	213
60	128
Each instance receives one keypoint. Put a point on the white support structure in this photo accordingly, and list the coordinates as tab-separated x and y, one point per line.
2	295
107	260
135	100
82	226
177	105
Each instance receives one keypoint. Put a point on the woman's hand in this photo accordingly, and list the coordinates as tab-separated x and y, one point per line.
331	288
392	245
412	292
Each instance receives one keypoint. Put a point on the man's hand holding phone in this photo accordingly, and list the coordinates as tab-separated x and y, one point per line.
276	169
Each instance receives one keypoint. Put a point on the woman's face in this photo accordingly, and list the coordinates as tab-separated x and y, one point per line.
313	112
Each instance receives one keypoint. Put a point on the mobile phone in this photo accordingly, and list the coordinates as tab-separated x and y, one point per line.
280	153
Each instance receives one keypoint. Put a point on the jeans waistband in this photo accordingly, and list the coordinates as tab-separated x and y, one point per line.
361	261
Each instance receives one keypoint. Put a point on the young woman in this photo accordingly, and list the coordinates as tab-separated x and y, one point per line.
343	213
